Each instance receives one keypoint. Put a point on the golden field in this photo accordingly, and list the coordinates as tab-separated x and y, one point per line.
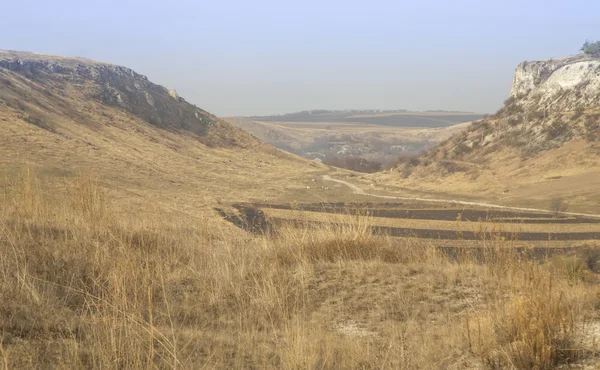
87	286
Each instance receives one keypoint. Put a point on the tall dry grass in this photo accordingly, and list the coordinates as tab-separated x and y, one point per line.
85	286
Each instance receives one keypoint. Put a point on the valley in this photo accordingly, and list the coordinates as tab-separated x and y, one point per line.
138	230
333	137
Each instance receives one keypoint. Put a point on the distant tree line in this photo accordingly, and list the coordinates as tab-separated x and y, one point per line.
321	112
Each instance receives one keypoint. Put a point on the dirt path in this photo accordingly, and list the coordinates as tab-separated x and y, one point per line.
360	191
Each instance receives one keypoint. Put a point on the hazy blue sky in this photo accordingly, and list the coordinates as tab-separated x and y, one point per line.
259	57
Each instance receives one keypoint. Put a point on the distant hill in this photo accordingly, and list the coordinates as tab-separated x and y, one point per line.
395	118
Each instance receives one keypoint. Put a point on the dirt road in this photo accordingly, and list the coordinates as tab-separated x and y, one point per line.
360	191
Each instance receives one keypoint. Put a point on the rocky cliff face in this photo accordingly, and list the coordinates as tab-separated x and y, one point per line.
23	74
558	84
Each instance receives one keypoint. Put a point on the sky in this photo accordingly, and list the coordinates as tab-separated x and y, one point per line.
271	57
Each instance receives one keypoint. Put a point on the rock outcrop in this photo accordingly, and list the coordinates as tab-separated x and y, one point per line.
558	84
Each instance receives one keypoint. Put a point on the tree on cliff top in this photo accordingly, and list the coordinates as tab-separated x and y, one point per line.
591	48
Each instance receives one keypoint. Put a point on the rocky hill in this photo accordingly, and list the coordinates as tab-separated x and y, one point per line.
40	86
67	116
542	143
558	84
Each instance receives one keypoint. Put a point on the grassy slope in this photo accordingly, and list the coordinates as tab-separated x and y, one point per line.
542	144
86	286
143	161
511	164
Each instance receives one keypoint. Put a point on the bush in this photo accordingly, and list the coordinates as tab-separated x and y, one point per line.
558	206
451	167
510	101
461	148
591	256
535	115
516	138
407	162
484	128
557	129
537	331
405	159
591	48
578	112
514	121
592	128
358	164
510	107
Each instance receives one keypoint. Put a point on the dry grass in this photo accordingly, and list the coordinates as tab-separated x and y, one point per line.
85	287
143	161
536	331
511	161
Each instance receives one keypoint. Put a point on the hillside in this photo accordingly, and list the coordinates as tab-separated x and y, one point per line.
542	144
70	116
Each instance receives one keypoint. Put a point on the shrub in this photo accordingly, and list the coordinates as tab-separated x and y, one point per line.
516	138
514	121
558	206
557	129
529	151
413	161
592	128
512	107
537	331
536	114
578	112
461	148
407	162
484	127
591	256
452	167
406	172
591	48
405	159
510	101
353	163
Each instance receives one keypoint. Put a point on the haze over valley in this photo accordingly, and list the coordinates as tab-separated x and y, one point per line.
360	140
